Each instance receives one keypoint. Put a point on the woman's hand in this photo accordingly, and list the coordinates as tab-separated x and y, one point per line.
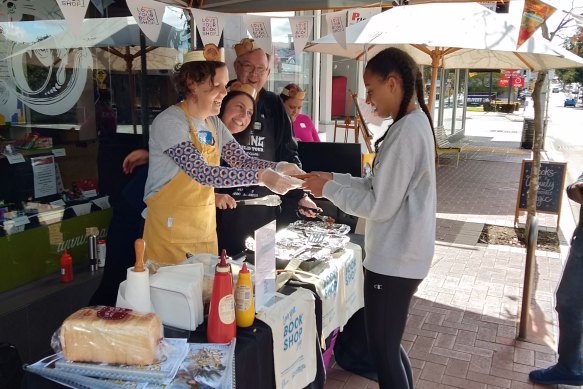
277	182
224	201
134	159
314	182
288	168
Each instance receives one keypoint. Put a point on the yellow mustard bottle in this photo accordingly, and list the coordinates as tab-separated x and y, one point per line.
244	302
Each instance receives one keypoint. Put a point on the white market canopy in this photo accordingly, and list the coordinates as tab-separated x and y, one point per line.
449	35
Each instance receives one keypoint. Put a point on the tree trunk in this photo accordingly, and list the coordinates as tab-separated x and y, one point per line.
536	148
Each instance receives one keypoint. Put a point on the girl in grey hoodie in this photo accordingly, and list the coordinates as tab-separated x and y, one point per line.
398	203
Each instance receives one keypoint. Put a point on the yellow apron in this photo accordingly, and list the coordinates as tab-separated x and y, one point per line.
181	217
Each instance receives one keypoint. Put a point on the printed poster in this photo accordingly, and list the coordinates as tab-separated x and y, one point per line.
535	13
44	175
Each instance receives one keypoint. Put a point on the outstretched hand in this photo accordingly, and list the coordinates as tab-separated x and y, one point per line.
314	182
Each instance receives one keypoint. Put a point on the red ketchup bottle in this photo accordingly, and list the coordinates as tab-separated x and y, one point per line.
221	325
66	267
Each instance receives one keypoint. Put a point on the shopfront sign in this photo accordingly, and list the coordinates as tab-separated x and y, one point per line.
517	82
357	15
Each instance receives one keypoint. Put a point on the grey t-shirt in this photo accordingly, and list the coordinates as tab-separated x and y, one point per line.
169	129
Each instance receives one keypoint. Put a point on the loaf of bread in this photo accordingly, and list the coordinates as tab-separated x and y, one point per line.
111	335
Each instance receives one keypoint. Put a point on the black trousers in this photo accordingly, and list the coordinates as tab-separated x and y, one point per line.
386	305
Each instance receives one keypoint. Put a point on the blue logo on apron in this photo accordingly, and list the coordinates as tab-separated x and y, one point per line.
205	137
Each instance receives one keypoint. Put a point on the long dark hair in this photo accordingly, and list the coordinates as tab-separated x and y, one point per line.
242	136
195	71
393	60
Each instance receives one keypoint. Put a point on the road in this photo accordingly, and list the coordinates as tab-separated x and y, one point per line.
565	134
564	142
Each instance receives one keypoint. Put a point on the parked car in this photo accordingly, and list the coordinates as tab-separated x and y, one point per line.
571	102
555	90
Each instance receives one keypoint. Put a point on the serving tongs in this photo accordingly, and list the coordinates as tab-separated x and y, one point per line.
268	201
318	211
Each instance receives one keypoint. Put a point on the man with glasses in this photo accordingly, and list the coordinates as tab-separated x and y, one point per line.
271	138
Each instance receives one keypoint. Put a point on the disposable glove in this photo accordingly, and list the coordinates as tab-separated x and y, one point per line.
277	182
288	168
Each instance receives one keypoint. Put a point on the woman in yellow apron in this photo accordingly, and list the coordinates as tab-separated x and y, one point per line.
186	144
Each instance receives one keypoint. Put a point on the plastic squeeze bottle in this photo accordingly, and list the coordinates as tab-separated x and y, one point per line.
66	267
244	302
221	325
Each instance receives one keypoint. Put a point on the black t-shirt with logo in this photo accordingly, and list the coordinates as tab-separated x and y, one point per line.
269	138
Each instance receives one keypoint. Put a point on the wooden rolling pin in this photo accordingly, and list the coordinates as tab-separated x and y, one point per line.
139	246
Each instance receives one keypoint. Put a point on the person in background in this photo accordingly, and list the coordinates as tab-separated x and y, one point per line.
269	138
293	98
186	143
126	225
399	204
569	369
105	115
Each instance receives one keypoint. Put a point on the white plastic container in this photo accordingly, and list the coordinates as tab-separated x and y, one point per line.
176	294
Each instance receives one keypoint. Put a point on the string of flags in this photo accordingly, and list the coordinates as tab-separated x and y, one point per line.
149	15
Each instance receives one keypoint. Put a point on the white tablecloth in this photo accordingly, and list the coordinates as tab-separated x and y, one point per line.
339	283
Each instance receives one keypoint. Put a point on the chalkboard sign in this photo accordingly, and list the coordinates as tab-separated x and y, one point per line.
551	182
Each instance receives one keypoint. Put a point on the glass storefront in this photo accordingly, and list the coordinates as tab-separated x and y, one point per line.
72	106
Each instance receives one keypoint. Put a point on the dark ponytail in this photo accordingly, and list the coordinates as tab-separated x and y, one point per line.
393	60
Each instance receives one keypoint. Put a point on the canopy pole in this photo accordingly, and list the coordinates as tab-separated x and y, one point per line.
435	56
129	59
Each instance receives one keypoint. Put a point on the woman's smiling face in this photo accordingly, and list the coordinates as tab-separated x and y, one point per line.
208	94
238	113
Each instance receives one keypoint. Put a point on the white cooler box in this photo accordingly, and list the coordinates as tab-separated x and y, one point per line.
176	294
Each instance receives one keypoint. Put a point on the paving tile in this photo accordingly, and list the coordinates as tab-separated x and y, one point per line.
480	364
467	338
488	379
357	382
457	368
333	384
451	353
432	372
524	356
457	382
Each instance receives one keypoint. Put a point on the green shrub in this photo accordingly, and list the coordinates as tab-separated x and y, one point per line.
489	107
506	108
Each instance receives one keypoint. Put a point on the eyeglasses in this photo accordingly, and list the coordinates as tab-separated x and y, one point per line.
259	70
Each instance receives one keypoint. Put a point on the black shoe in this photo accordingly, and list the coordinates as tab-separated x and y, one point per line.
554	376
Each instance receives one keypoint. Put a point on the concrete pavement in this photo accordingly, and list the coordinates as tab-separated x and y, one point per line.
463	322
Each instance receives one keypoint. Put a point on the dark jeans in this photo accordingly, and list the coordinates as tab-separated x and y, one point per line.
386	305
570	308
